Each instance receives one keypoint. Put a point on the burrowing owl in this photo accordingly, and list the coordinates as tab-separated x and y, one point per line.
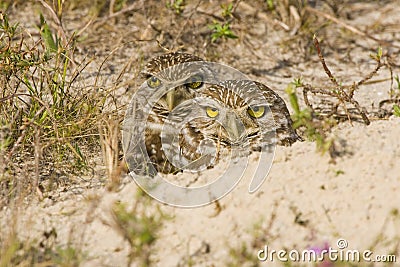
233	114
170	80
243	115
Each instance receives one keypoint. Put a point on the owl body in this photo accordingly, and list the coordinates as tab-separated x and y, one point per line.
174	75
192	124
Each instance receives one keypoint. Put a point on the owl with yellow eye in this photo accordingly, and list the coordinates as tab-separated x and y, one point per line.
163	70
242	115
170	79
199	116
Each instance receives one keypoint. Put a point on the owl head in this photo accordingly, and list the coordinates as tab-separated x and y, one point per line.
235	114
174	77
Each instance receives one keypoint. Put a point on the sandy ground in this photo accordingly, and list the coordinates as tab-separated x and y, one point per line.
307	201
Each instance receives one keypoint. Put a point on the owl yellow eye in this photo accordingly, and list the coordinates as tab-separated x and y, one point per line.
256	112
212	112
153	82
195	81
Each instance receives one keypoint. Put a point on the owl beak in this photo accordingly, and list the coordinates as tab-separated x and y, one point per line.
170	99
235	129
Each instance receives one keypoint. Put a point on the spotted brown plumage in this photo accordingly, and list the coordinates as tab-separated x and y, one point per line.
201	121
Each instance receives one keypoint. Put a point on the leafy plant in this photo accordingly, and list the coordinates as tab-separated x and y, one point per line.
221	31
314	129
378	55
396	110
139	227
227	10
397	79
50	43
243	256
395	92
177	5
119	5
270	4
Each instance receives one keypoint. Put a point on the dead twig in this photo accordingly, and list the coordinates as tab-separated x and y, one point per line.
339	91
322	59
